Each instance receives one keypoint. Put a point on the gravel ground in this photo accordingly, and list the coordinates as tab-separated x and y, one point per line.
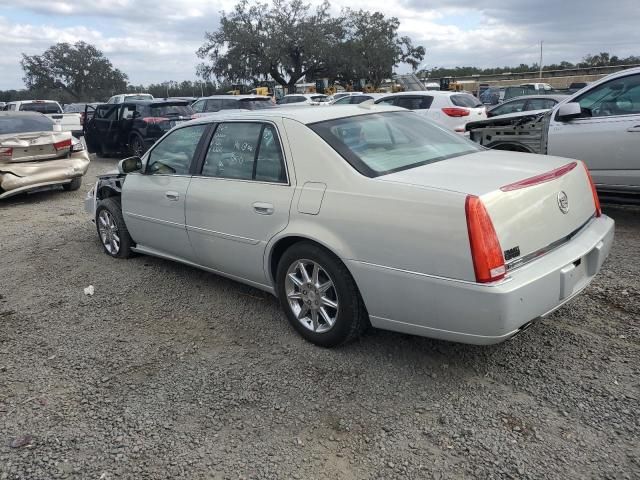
170	372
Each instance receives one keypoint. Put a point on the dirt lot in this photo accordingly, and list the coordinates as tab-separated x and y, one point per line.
170	372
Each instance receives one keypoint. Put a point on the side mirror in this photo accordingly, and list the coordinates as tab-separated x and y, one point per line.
570	110
128	165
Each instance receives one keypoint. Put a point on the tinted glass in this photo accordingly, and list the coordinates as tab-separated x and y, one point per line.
214	105
465	100
343	100
173	155
232	151
171	111
617	97
381	143
540	103
17	123
509	107
414	103
74	108
230	104
297	99
360	98
320	98
256	103
106	112
387	101
270	164
42	107
245	151
198	107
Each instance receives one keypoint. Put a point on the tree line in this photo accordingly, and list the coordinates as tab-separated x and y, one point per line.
602	59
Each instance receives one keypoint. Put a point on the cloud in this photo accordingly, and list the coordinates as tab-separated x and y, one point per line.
153	40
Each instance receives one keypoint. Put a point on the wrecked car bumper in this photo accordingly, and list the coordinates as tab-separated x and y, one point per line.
26	176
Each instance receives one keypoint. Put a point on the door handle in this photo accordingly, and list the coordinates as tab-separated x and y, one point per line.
263	208
173	196
634	129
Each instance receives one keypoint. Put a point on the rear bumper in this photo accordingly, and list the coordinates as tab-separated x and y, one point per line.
20	177
468	312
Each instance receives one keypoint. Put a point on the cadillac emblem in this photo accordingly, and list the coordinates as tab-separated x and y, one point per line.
563	202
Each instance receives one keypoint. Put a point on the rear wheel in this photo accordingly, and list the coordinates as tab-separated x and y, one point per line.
112	230
136	146
319	296
73	185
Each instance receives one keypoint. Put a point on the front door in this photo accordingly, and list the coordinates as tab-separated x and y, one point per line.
153	202
607	137
239	199
98	131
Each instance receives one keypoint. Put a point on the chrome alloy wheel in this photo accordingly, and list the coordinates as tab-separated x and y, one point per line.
312	295
109	232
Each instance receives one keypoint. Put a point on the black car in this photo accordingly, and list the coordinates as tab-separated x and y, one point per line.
134	126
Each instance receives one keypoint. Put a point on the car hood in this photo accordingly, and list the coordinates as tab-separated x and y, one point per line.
476	173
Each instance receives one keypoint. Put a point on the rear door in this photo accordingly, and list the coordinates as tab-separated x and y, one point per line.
239	199
607	137
153	202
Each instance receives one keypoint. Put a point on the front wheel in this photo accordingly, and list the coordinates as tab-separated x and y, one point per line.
319	296
112	230
136	146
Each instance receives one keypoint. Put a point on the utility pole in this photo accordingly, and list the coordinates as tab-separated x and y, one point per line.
540	58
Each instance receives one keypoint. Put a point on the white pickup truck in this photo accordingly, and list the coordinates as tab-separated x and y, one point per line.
69	122
599	124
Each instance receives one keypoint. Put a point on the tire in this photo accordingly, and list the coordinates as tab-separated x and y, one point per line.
349	319
109	219
73	185
136	146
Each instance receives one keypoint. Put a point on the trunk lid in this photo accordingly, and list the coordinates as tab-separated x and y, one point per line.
34	146
529	217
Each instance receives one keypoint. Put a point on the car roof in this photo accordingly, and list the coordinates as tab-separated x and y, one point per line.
235	97
33	101
305	115
558	97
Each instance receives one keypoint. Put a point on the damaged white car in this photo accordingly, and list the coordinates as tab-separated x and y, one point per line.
34	153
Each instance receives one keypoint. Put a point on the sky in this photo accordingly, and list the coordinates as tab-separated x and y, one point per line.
153	41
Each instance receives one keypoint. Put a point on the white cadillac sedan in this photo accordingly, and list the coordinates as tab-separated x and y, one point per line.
362	215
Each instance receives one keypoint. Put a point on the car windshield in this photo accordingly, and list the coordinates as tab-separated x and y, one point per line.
24	123
256	103
465	100
382	143
41	107
171	110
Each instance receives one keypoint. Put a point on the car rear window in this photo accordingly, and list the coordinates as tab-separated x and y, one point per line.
382	143
171	111
256	103
465	100
41	107
24	123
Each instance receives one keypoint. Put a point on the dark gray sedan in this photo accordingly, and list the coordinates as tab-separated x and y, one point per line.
526	103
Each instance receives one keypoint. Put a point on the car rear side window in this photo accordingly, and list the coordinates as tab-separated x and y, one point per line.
17	123
415	103
174	154
465	100
245	151
41	107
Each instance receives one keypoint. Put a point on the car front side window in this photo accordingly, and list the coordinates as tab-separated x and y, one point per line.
198	107
620	96
174	154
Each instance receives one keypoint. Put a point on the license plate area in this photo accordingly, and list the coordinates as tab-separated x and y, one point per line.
574	276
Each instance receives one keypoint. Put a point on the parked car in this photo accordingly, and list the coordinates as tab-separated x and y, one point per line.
216	103
69	122
35	153
362	214
82	109
301	99
492	95
2	105
357	98
130	97
526	103
599	125
451	109
134	126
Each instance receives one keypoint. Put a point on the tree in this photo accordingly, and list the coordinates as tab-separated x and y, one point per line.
285	40
373	48
79	69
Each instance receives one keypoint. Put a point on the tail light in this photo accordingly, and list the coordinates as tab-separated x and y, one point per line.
154	120
6	152
596	200
456	111
62	144
486	252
